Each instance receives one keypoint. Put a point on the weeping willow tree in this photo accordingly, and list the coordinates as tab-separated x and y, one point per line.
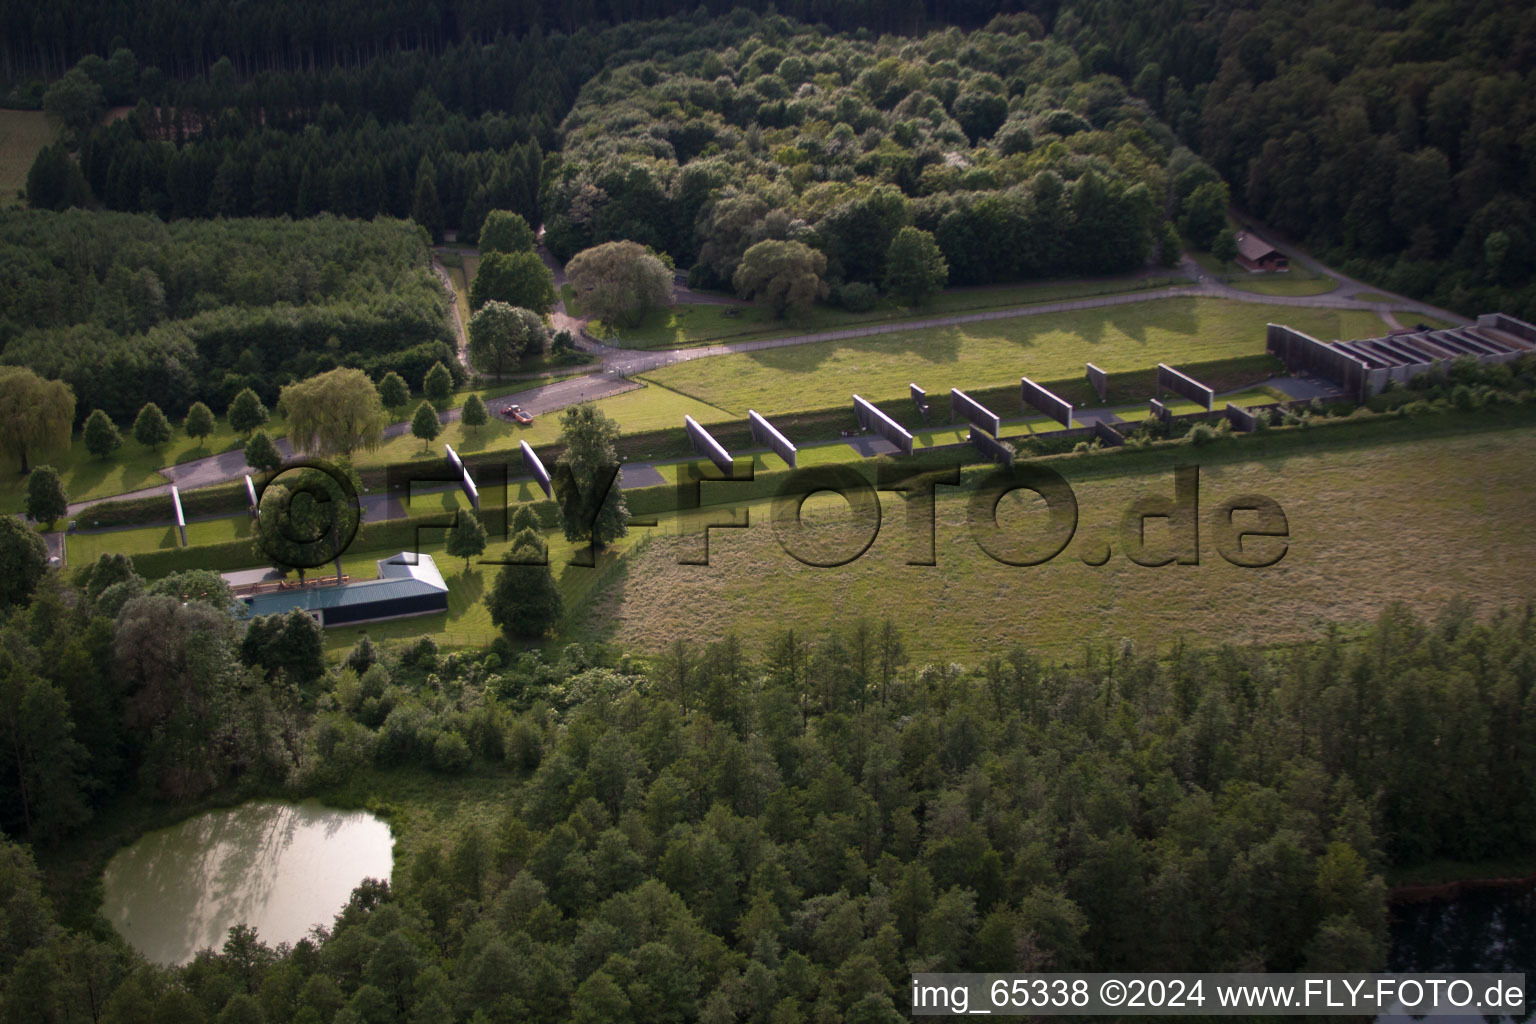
338	411
35	414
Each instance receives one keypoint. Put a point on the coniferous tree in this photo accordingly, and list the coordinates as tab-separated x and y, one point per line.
426	208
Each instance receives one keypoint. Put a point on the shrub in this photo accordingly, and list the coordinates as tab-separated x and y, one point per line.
857	297
1201	434
450	753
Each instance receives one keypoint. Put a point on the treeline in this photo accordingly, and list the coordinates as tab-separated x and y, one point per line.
1002	144
1399	140
470	125
127	309
781	834
186	39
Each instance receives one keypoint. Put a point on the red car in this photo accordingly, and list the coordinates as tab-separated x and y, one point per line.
517	413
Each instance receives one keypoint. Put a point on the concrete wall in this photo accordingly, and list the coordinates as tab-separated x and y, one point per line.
1107	434
1305	354
1033	396
991	447
1100	381
1183	384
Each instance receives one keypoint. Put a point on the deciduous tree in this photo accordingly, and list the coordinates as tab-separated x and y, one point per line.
151	429
199	421
467	538
425	424
915	270
262	454
74	103
505	231
438	385
46	500
338	411
23	560
473	414
501	334
592	506
35	414
516	278
619	282
525	601
393	392
1224	247
1205	213
100	434
246	413
784	276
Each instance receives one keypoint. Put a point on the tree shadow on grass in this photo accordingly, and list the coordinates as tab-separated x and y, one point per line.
937	345
470	583
590	612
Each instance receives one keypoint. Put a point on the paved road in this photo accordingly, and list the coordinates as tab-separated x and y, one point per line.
619	363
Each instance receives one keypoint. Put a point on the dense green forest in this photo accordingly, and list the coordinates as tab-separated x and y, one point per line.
995	141
781	834
186	39
1398	140
127	309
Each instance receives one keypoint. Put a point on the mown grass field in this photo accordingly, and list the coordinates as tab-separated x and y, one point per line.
22	134
701	323
1422	519
1048	346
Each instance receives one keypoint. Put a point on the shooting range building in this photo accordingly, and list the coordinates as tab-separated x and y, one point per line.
408	584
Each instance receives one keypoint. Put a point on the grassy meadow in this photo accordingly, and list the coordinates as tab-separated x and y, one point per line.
1403	516
687	324
1047	346
22	134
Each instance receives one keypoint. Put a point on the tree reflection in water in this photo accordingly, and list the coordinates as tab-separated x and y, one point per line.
280	867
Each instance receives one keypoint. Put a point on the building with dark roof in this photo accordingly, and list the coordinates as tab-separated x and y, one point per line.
1256	254
408	584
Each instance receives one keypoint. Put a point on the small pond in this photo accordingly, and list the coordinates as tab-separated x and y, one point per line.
280	867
